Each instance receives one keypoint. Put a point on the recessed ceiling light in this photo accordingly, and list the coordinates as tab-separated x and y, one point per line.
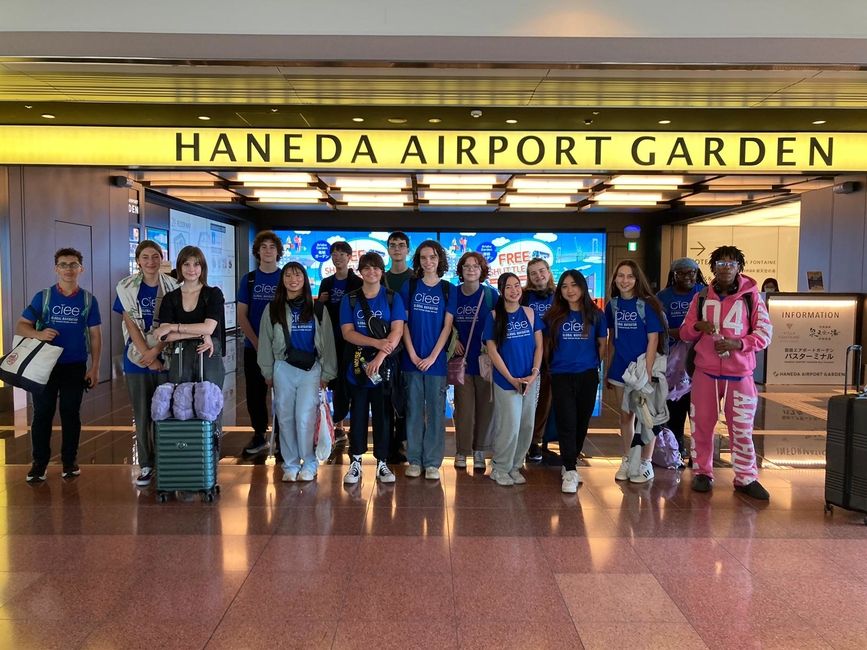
28	105
274	110
596	112
204	117
397	120
358	119
48	116
665	121
434	120
817	122
511	121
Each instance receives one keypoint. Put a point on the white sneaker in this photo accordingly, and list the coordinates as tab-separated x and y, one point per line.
354	473
570	482
634	457
623	471
479	461
645	473
432	473
290	475
307	474
460	461
413	471
517	477
144	477
384	473
502	478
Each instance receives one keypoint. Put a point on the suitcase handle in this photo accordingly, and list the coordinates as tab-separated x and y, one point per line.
856	374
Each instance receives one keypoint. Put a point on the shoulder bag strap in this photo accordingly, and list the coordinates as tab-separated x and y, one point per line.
473	325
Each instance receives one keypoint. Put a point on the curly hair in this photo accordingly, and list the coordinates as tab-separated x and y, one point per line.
732	252
442	259
261	238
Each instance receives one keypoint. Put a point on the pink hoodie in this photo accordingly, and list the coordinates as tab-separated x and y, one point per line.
729	317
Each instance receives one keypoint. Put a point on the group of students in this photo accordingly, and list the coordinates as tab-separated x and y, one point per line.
383	342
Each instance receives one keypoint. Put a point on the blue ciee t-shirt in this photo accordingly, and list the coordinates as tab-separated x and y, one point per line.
66	315
378	307
574	351
540	303
147	300
675	305
264	290
301	334
463	309
425	314
519	346
631	333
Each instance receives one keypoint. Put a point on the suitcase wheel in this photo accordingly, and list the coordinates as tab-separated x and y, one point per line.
217	489
829	507
162	497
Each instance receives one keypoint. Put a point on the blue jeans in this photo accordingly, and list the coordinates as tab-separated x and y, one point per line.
425	418
296	403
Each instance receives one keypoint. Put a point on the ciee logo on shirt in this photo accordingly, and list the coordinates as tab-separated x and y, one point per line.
297	323
373	312
680	305
542	307
518	326
265	290
572	326
466	310
627	316
426	299
148	304
66	310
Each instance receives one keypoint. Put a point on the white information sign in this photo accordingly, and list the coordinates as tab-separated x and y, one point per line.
810	339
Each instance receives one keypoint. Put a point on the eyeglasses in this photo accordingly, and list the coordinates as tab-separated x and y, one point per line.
685	272
725	264
71	266
472	267
398	244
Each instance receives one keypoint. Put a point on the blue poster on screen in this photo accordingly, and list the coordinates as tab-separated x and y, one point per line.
511	251
312	248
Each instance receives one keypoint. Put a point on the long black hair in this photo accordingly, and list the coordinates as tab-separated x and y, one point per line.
501	317
559	311
281	297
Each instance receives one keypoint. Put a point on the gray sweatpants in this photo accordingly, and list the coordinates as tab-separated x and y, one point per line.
141	387
514	415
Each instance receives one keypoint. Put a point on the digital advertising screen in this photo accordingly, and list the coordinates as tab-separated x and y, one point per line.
217	241
312	248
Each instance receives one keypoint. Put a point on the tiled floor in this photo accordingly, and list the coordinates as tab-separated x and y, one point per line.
461	562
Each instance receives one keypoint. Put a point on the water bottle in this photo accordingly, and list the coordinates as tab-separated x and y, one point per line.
719	337
375	379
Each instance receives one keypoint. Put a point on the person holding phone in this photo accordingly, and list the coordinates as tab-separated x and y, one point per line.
66	315
513	339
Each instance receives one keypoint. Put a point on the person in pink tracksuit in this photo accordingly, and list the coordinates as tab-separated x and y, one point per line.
732	326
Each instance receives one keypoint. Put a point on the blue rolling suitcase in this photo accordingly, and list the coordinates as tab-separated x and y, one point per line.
187	451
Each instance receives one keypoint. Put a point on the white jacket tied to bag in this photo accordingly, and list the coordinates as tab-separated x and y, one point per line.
644	397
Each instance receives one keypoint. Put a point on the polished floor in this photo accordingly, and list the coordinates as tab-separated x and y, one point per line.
94	562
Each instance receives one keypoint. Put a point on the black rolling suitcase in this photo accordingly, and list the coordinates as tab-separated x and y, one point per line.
187	451
846	445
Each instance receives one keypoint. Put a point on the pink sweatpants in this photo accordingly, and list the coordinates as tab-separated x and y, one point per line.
739	406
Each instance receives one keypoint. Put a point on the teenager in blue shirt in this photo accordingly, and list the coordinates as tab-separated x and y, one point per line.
539	295
255	291
138	301
513	339
684	281
331	292
578	341
473	405
423	363
367	361
71	321
630	336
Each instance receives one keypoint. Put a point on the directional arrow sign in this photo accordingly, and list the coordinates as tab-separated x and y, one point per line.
700	251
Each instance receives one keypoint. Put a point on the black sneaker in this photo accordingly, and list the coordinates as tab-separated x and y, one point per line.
71	471
37	473
754	490
534	454
257	445
702	483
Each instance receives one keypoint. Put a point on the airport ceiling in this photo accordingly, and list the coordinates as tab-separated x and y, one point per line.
406	95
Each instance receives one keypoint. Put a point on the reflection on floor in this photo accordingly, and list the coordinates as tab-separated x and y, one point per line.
461	562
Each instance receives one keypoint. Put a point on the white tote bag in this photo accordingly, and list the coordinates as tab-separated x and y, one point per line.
29	364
